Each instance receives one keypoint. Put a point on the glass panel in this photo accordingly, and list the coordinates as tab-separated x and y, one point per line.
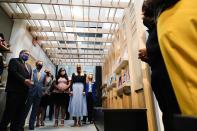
86	2
108	44
94	12
21	6
104	12
77	1
37	23
125	1
77	12
57	34
44	23
106	25
53	23
34	8
68	23
113	26
119	13
105	35
15	7
93	24
85	10
62	1
111	13
95	2
48	9
70	35
57	10
66	11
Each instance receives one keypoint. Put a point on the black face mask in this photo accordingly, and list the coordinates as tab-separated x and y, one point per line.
48	74
39	66
149	23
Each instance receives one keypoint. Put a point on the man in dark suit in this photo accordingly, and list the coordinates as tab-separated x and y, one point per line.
90	90
18	83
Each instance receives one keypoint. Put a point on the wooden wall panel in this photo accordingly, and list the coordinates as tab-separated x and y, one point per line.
131	36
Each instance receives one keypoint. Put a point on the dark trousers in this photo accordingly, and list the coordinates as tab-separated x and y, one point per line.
165	95
51	112
33	101
14	111
90	105
67	104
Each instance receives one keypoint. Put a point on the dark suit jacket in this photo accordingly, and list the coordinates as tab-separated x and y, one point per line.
93	90
17	73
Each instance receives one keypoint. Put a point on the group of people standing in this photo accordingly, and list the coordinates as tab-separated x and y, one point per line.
35	89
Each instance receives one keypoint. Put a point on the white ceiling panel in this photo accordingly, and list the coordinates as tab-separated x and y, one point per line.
82	31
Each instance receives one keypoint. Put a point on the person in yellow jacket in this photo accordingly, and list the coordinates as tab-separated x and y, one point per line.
177	34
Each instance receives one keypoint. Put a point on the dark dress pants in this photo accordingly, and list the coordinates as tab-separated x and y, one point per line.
90	105
33	101
14	111
165	95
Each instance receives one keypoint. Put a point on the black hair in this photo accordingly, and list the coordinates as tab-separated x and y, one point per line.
1	35
148	9
59	75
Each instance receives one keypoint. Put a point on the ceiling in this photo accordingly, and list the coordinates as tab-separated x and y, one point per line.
70	31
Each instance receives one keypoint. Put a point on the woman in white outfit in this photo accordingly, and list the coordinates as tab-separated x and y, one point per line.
78	106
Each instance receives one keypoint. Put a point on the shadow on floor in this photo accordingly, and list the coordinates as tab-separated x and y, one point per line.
49	127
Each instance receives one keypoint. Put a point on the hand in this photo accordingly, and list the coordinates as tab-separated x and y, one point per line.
71	93
143	55
84	93
28	82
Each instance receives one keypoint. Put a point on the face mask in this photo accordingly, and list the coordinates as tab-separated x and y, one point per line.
62	73
48	74
25	57
39	66
78	70
148	23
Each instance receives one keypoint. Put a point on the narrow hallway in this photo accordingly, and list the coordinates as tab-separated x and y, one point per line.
116	65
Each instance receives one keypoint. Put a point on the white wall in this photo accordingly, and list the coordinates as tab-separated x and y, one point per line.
21	39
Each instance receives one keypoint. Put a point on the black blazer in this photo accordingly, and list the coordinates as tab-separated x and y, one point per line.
17	73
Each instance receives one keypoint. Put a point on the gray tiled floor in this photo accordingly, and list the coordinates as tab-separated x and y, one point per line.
67	127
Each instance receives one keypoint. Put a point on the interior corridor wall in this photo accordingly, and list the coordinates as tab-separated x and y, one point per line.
22	39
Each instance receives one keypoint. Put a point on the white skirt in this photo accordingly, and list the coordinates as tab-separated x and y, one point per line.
77	105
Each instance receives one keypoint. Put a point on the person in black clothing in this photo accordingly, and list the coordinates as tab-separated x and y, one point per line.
160	81
18	83
50	102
